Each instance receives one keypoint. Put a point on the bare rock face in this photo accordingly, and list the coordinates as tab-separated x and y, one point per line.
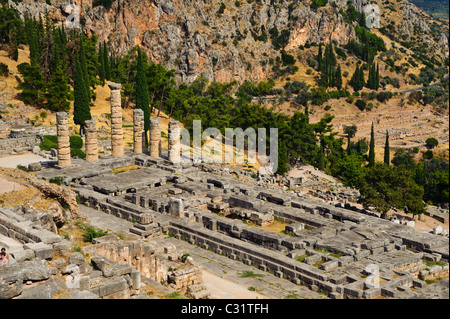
197	38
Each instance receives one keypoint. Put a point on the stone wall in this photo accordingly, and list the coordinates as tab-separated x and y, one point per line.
18	144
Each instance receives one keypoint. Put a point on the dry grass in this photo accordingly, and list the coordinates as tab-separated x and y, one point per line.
125	169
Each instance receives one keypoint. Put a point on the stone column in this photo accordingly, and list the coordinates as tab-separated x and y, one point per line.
91	143
174	146
155	136
63	134
138	130
116	120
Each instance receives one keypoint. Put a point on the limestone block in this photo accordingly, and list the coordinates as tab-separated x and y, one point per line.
41	250
11	281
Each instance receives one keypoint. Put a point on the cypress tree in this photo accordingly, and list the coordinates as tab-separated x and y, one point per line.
361	81
386	149
319	56
142	95
377	78
101	68
81	110
83	66
372	148
338	78
355	80
106	63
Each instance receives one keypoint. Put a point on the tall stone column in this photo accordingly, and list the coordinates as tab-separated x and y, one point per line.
116	120
138	130
63	139
155	136
174	146
91	143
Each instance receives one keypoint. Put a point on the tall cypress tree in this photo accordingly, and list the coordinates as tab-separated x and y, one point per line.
377	78
361	81
142	95
101	68
386	149
81	110
106	64
372	148
84	70
319	56
338	78
355	80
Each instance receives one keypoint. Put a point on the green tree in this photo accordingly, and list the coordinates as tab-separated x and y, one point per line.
33	84
338	78
81	110
386	187
356	81
372	148
431	142
386	150
106	64
142	95
58	91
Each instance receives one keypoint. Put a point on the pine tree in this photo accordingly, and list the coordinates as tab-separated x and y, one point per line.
142	95
372	148
81	110
386	150
58	91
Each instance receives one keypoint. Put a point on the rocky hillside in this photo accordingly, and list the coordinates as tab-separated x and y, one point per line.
228	40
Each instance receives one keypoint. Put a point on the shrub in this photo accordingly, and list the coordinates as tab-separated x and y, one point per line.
89	233
56	180
4	71
361	104
428	155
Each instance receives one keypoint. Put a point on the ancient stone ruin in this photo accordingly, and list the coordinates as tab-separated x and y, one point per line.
321	249
91	143
116	120
64	158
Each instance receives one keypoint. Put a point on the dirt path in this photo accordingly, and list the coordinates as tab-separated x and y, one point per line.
7	186
222	288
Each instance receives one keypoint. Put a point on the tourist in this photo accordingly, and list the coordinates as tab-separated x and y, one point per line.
3	259
4	251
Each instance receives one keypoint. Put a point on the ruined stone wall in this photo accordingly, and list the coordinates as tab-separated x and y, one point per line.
142	256
11	144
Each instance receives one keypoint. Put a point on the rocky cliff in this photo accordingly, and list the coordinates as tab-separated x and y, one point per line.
223	40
